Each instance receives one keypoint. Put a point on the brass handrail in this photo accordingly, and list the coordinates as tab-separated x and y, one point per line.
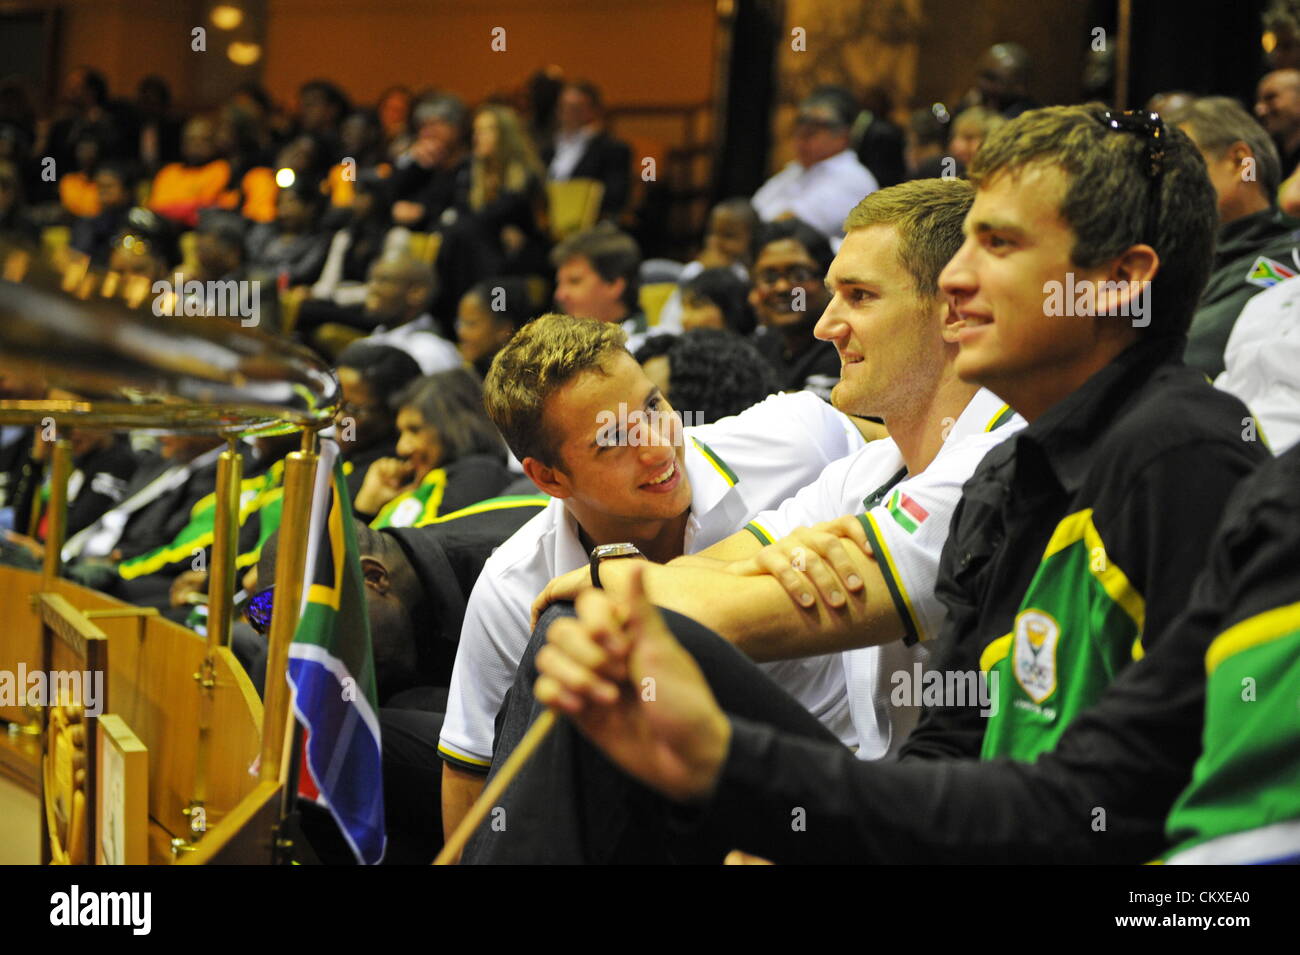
173	374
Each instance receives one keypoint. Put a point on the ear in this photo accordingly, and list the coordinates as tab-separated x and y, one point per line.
376	575
754	298
619	285
549	480
1132	272
1238	153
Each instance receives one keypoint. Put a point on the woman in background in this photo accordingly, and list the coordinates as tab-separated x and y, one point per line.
449	454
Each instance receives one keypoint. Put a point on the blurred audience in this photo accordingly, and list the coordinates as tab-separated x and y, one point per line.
825	179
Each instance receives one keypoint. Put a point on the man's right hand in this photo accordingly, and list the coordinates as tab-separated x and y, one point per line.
619	674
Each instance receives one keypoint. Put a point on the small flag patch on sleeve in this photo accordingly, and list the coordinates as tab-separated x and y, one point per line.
909	514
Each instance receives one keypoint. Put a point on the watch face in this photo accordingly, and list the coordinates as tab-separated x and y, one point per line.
605	551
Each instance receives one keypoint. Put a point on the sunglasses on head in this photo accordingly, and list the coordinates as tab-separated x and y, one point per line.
258	610
1149	128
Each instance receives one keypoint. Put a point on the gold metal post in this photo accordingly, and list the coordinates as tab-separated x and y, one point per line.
299	475
225	542
61	467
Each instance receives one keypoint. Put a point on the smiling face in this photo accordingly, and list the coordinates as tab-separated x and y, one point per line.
888	336
781	268
418	442
1016	243
615	466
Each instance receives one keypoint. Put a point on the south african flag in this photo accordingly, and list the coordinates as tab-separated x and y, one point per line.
331	669
909	514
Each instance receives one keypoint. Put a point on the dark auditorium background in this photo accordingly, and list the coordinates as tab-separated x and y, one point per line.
705	86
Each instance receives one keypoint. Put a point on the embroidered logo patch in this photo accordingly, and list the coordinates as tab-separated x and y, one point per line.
1034	653
909	514
1266	272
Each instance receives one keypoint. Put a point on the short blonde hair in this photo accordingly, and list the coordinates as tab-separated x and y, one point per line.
928	215
542	357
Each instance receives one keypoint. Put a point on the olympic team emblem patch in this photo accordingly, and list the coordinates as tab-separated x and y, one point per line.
407	513
1034	653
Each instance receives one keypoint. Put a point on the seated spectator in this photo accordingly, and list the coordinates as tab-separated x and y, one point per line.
581	149
102	464
971	127
78	190
220	254
448	454
145	246
728	243
927	145
490	313
394	109
1002	84
494	227
1277	105
707	373
507	199
594	433
433	173
398	295
370	376
321	109
597	277
367	235
1262	365
15	224
292	248
1257	247
824	180
182	188
361	142
155	506
789	296
251	190
116	183
159	131
717	298
878	141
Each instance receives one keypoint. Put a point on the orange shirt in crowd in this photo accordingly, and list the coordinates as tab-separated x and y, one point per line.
258	192
180	191
341	190
79	195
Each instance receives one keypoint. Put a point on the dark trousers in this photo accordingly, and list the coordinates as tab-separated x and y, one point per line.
571	805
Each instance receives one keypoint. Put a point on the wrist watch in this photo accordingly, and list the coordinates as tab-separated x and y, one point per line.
609	552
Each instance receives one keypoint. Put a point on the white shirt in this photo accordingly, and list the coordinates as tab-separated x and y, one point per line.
421	341
908	558
737	467
1262	363
569	148
821	195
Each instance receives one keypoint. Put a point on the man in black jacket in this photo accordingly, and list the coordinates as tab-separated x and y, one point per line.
582	150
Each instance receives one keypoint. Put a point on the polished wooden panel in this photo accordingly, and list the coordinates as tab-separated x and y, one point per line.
151	683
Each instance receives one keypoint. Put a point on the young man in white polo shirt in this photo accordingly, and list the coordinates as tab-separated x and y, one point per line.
770	592
593	432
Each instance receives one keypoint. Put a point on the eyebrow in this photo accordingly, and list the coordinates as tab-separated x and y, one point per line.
833	280
993	225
